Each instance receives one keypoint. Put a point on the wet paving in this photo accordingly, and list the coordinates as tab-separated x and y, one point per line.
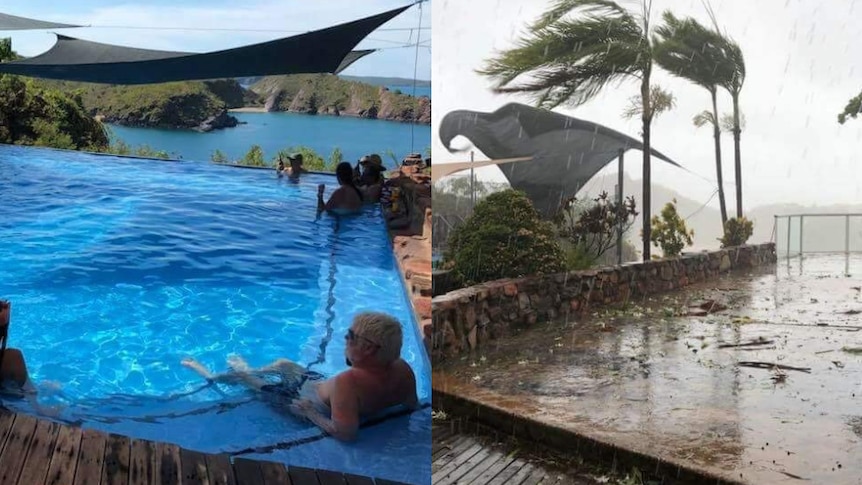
766	390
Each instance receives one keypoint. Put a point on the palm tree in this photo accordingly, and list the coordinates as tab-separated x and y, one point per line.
733	85
570	60
691	51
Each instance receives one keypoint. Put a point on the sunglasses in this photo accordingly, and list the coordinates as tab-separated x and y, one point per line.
351	336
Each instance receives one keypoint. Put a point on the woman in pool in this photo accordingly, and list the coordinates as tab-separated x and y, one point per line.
347	198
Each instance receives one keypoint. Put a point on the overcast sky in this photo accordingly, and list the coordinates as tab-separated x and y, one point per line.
282	15
803	60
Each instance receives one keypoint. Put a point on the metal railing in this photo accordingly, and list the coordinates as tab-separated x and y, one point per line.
789	230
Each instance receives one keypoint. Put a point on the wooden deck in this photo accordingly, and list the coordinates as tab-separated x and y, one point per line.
466	459
34	451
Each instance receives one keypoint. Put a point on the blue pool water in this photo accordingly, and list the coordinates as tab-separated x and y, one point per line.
275	131
119	268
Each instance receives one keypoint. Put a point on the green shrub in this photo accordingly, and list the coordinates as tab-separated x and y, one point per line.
504	237
736	232
254	157
670	232
219	156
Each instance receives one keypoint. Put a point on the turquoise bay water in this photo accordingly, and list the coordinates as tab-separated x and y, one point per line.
273	131
408	89
117	269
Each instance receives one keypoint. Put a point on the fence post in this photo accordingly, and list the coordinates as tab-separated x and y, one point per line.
800	235
789	224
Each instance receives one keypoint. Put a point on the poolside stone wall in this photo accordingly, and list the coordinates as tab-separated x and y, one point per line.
412	243
466	319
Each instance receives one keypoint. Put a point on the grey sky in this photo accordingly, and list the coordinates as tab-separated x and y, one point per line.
262	15
804	62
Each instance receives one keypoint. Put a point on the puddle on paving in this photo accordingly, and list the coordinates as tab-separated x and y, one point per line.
658	382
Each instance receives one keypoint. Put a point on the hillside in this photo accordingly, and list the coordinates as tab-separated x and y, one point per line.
386	81
31	114
199	105
331	95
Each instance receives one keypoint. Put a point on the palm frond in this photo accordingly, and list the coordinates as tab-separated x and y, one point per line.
660	101
570	61
687	49
561	8
703	118
727	122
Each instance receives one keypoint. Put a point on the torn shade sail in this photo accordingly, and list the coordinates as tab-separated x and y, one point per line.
11	22
322	51
566	152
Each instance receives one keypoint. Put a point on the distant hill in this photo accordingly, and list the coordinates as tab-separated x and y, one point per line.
198	105
331	95
372	80
387	81
820	234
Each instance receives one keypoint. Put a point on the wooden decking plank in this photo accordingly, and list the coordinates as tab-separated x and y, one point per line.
274	473
507	473
91	457
444	459
326	477
493	457
247	472
449	447
450	467
64	459
7	419
194	468
168	471
522	475
441	434
117	459
464	468
141	464
35	468
15	451
220	470
302	476
536	477
492	471
357	480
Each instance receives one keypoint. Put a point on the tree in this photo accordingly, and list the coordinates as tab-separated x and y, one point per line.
693	52
569	61
6	52
733	85
670	232
592	229
505	237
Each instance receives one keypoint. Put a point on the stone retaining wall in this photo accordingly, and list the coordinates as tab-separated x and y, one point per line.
412	243
465	319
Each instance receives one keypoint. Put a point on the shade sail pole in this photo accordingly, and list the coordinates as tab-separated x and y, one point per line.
619	207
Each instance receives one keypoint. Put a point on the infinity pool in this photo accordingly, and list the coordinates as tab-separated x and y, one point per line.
118	269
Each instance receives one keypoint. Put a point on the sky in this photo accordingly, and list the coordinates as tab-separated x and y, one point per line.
111	21
803	61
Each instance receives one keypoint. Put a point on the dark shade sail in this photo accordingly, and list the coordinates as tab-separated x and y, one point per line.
322	51
566	152
11	22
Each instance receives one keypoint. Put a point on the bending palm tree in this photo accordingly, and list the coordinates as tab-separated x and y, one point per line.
691	51
733	85
569	61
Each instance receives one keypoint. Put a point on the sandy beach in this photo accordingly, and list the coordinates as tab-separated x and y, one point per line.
248	109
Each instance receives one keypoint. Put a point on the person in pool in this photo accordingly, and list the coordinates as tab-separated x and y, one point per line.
14	375
346	199
295	170
377	379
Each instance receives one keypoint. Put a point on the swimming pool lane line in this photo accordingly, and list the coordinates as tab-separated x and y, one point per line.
286	445
330	300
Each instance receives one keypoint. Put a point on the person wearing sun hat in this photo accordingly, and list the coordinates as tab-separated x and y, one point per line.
295	169
370	181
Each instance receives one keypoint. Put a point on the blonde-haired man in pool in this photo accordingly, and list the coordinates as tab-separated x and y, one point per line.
377	379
